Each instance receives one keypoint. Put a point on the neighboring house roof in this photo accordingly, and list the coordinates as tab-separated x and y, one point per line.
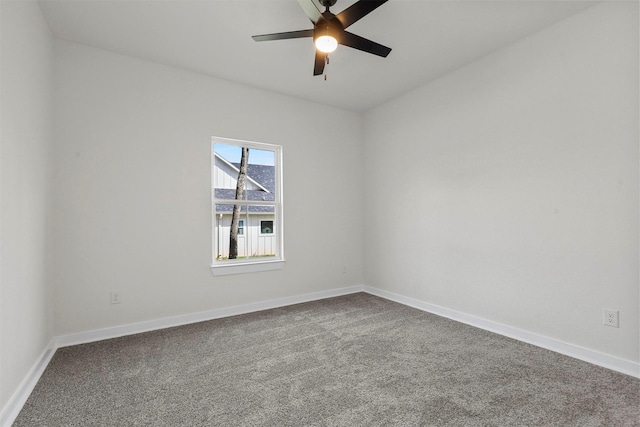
262	175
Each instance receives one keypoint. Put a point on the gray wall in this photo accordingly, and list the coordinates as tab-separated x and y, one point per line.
26	309
518	197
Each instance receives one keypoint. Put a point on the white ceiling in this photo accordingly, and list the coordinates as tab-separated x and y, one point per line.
429	39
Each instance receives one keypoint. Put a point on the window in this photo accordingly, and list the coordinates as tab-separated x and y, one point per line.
266	227
247	206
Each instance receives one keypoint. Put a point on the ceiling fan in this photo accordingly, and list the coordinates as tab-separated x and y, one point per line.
329	30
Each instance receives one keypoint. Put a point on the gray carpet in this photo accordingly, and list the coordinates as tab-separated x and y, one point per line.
356	360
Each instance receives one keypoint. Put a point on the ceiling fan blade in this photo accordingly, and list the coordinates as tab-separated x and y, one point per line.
283	36
310	9
318	66
357	11
365	45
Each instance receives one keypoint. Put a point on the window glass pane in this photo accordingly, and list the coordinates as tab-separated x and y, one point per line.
255	237
259	181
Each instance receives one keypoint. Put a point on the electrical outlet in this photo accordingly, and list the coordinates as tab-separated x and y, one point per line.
115	297
611	317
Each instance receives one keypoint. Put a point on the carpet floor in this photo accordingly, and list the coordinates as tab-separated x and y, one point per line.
355	360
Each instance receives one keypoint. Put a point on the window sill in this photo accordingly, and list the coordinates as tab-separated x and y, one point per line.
246	267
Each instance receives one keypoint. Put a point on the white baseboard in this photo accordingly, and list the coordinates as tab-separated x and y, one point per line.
20	396
610	362
185	319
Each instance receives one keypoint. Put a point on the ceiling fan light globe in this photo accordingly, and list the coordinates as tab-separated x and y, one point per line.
326	44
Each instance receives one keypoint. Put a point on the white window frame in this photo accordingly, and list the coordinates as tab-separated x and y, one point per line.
249	265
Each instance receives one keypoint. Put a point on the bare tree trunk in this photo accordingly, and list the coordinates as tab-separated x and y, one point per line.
242	174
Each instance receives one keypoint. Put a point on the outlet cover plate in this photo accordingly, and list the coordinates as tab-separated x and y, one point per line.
611	317
115	297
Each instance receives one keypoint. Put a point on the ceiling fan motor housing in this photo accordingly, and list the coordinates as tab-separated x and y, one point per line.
327	3
328	25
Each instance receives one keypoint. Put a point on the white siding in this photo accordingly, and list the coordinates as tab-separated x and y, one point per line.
251	243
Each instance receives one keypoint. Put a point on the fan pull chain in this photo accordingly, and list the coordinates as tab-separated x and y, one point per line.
326	60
